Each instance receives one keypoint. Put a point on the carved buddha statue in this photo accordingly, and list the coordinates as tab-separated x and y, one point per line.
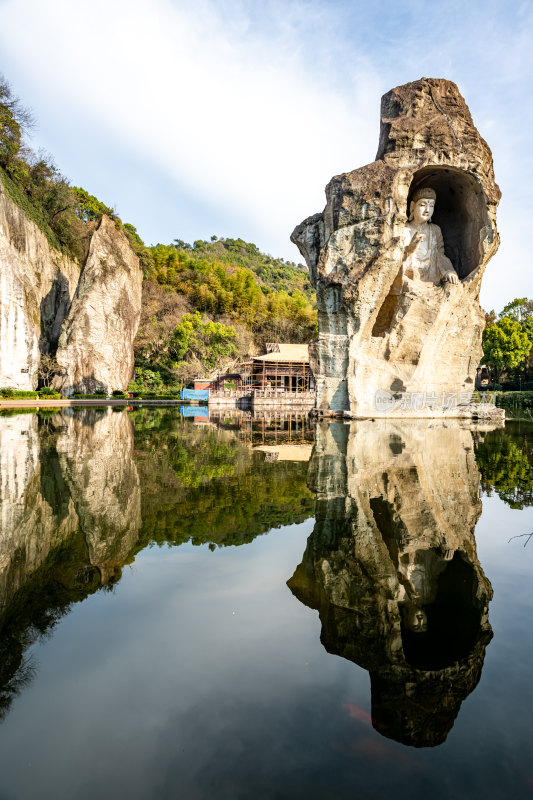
424	258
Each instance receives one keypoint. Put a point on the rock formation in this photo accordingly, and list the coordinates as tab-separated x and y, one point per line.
392	568
96	342
87	319
398	339
36	286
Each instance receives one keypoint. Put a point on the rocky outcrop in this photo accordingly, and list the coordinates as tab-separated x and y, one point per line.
96	343
395	340
87	318
37	283
392	568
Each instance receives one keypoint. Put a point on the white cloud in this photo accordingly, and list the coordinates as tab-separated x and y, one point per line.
234	120
229	117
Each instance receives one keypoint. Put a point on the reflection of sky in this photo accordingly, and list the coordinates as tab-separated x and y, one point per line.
202	676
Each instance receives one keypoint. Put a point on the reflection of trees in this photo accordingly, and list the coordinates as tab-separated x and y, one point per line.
503	458
204	485
391	567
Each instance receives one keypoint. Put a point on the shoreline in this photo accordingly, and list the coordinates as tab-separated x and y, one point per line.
66	403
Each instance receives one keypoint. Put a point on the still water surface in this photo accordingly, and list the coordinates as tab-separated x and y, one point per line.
214	609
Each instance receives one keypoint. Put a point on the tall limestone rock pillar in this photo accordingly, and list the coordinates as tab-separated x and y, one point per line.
397	258
36	286
86	316
95	346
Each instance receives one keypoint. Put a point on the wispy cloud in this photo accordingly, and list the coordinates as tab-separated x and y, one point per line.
206	98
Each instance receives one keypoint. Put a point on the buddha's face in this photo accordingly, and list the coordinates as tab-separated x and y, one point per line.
422	210
416	620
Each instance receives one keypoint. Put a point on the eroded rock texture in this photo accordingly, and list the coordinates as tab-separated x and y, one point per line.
380	331
96	342
36	287
86	318
392	569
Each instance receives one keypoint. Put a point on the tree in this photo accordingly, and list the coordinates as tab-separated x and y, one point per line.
490	318
519	309
15	121
205	342
49	369
90	209
505	346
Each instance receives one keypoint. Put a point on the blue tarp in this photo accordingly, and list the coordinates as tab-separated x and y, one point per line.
194	394
194	411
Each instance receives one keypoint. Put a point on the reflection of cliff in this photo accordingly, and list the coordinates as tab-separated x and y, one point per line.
70	511
392	568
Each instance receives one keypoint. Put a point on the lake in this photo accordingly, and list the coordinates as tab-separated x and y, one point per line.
239	607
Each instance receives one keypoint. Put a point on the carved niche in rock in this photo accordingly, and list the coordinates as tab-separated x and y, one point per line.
397	258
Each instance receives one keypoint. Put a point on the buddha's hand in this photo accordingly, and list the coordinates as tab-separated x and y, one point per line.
413	244
451	277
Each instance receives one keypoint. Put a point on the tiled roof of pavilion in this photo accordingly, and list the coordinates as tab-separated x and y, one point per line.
296	353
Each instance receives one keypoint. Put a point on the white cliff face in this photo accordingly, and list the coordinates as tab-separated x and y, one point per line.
33	277
45	297
96	341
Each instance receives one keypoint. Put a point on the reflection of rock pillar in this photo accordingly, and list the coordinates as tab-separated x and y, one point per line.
96	454
30	527
69	489
19	460
392	568
19	467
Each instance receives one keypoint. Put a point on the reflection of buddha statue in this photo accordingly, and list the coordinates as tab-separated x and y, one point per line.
424	258
391	567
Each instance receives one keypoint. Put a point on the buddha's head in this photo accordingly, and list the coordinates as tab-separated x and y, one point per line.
422	205
415	618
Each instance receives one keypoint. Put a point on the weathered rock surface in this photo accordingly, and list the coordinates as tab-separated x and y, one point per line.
414	343
392	568
36	287
86	318
96	342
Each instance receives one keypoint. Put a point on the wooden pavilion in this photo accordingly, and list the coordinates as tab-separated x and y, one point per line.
282	368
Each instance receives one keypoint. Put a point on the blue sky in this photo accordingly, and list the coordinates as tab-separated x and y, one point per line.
228	117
